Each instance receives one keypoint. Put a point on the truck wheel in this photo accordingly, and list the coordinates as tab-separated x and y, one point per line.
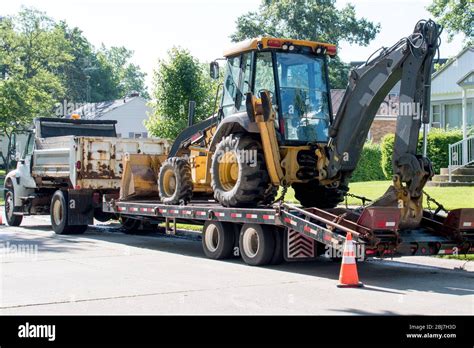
312	194
12	220
174	181
99	215
257	244
218	240
238	181
59	215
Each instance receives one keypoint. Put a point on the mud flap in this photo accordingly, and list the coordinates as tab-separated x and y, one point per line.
80	207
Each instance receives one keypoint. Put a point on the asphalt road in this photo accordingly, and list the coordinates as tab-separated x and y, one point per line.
107	272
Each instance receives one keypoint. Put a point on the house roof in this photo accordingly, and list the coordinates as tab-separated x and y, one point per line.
92	111
451	61
467	80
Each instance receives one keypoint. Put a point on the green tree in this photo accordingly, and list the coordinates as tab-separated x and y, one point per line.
457	16
179	79
32	52
129	76
316	20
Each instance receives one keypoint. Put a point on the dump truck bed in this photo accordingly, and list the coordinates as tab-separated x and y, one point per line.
88	162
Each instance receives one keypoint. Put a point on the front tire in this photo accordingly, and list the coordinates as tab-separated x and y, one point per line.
175	181
12	220
238	174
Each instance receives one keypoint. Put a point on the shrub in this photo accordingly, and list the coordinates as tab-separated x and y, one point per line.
386	149
369	166
438	142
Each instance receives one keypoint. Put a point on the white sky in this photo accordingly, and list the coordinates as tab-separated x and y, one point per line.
151	27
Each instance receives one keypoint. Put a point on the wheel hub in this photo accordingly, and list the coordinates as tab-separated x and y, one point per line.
251	242
228	171
57	212
169	183
212	238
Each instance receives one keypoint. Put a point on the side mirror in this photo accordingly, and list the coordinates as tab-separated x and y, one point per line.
214	70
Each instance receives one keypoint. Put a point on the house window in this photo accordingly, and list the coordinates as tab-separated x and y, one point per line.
453	116
119	135
131	135
144	135
436	116
138	135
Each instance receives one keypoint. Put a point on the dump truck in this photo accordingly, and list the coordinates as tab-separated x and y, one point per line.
66	168
275	129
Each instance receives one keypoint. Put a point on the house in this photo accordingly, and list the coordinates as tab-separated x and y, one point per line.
385	120
452	92
129	112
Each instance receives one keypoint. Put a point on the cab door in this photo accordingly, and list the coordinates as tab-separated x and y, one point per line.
25	163
237	82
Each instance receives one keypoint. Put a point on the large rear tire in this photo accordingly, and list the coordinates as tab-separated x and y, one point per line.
12	219
312	194
59	215
175	181
238	174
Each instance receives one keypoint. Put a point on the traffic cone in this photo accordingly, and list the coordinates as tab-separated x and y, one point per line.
348	277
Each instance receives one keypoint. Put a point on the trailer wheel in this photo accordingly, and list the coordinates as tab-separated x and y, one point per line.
130	225
257	244
218	240
277	257
59	215
12	220
312	194
174	181
238	182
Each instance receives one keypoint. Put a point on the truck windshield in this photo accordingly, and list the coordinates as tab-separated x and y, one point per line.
304	97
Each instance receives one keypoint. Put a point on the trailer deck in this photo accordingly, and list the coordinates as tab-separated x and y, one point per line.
374	229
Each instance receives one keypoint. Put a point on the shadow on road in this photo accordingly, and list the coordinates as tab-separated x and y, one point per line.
386	276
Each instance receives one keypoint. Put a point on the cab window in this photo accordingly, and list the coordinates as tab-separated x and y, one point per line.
29	145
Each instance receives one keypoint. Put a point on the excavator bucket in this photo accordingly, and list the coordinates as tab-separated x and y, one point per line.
140	176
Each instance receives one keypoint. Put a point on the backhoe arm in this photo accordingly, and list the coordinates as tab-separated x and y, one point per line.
409	61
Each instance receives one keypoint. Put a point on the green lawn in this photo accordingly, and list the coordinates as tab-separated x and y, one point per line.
450	197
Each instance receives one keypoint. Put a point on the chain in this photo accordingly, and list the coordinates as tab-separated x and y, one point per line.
362	198
439	205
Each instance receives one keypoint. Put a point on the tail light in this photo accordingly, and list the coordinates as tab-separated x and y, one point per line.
331	50
274	43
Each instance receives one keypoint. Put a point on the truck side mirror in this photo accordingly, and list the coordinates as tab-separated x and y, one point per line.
214	70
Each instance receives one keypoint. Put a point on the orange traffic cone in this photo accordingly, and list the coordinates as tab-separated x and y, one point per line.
348	277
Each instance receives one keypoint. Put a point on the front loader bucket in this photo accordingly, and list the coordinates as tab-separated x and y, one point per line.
140	176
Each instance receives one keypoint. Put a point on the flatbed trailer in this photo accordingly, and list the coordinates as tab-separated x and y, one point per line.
304	234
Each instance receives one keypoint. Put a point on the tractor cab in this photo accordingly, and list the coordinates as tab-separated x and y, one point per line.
295	74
